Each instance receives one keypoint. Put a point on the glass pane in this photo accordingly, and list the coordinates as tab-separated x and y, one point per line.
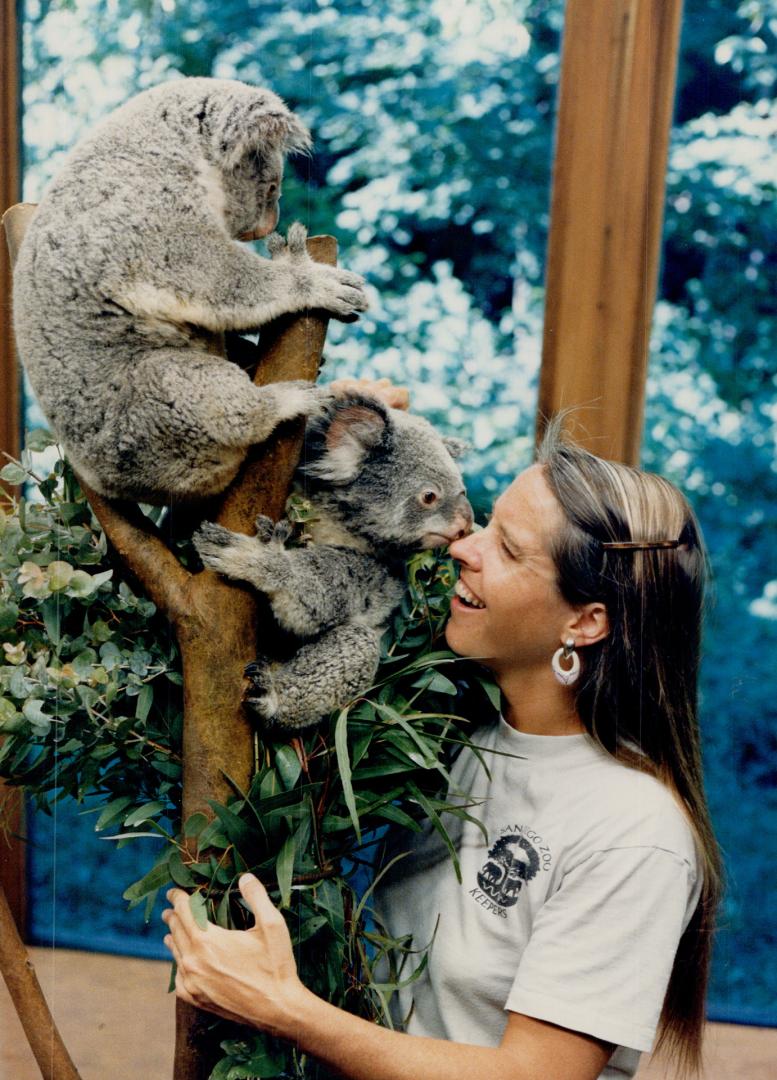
711	413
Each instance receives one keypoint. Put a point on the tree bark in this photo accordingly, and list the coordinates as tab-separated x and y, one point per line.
215	621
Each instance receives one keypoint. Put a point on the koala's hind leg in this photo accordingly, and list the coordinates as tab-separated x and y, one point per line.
323	676
183	423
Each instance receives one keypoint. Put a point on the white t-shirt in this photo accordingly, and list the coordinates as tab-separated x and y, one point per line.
570	911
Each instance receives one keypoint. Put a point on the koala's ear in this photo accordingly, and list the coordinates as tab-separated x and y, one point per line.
455	447
258	123
356	426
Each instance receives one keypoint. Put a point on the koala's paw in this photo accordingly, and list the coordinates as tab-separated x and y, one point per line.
340	292
297	398
265	527
260	696
296	236
222	550
209	539
273	532
292	246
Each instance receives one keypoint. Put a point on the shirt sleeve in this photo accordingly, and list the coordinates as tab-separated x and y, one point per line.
602	947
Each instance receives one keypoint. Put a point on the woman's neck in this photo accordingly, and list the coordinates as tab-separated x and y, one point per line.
538	705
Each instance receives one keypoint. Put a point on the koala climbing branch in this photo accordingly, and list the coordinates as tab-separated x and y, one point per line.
216	622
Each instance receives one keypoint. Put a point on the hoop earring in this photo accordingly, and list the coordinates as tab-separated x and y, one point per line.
566	676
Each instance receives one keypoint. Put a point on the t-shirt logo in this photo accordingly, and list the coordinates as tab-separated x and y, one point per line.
511	862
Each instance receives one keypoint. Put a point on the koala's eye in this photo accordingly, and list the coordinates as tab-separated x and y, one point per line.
429	497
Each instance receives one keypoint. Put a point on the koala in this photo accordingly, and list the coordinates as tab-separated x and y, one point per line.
131	271
383	484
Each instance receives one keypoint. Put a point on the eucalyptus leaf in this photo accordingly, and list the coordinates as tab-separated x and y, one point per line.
284	868
158	876
199	909
180	872
13	473
38	440
288	765
37	718
112	812
143	813
344	766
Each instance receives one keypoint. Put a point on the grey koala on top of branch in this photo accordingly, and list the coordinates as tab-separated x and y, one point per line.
383	484
131	268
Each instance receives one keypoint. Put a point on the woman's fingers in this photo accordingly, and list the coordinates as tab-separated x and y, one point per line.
169	942
254	893
396	397
182	912
258	900
180	918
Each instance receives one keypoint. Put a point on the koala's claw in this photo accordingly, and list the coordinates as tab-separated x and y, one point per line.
210	541
296	237
213	534
269	531
283	531
340	292
275	244
260	696
264	528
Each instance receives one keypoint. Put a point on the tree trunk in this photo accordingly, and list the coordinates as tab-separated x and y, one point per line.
218	633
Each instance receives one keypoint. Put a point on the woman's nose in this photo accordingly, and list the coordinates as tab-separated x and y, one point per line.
465	549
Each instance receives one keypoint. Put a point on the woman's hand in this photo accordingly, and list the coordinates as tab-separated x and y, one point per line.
245	975
396	397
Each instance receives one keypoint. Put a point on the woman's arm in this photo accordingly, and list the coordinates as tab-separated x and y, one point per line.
250	976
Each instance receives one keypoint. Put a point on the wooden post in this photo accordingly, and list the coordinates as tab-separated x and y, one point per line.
12	860
619	60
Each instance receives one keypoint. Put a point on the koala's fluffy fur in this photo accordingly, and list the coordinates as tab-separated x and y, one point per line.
131	270
383	484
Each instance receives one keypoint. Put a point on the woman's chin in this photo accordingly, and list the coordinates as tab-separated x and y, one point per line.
458	639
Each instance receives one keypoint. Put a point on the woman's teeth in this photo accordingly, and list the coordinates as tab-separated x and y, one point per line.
464	594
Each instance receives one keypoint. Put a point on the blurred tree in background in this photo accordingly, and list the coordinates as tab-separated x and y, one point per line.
433	125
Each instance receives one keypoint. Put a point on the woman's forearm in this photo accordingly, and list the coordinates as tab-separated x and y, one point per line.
360	1050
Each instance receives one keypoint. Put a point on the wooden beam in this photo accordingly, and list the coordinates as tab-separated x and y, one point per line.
12	862
619	61
10	183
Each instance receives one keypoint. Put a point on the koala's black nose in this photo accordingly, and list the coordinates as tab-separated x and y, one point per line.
462	522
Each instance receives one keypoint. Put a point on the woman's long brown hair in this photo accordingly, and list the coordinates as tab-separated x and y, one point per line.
637	694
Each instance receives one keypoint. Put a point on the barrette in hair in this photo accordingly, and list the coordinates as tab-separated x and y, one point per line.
639	545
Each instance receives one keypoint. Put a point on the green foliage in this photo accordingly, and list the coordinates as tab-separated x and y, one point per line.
90	698
91	709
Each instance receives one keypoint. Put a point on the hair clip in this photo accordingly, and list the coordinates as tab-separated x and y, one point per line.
639	545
